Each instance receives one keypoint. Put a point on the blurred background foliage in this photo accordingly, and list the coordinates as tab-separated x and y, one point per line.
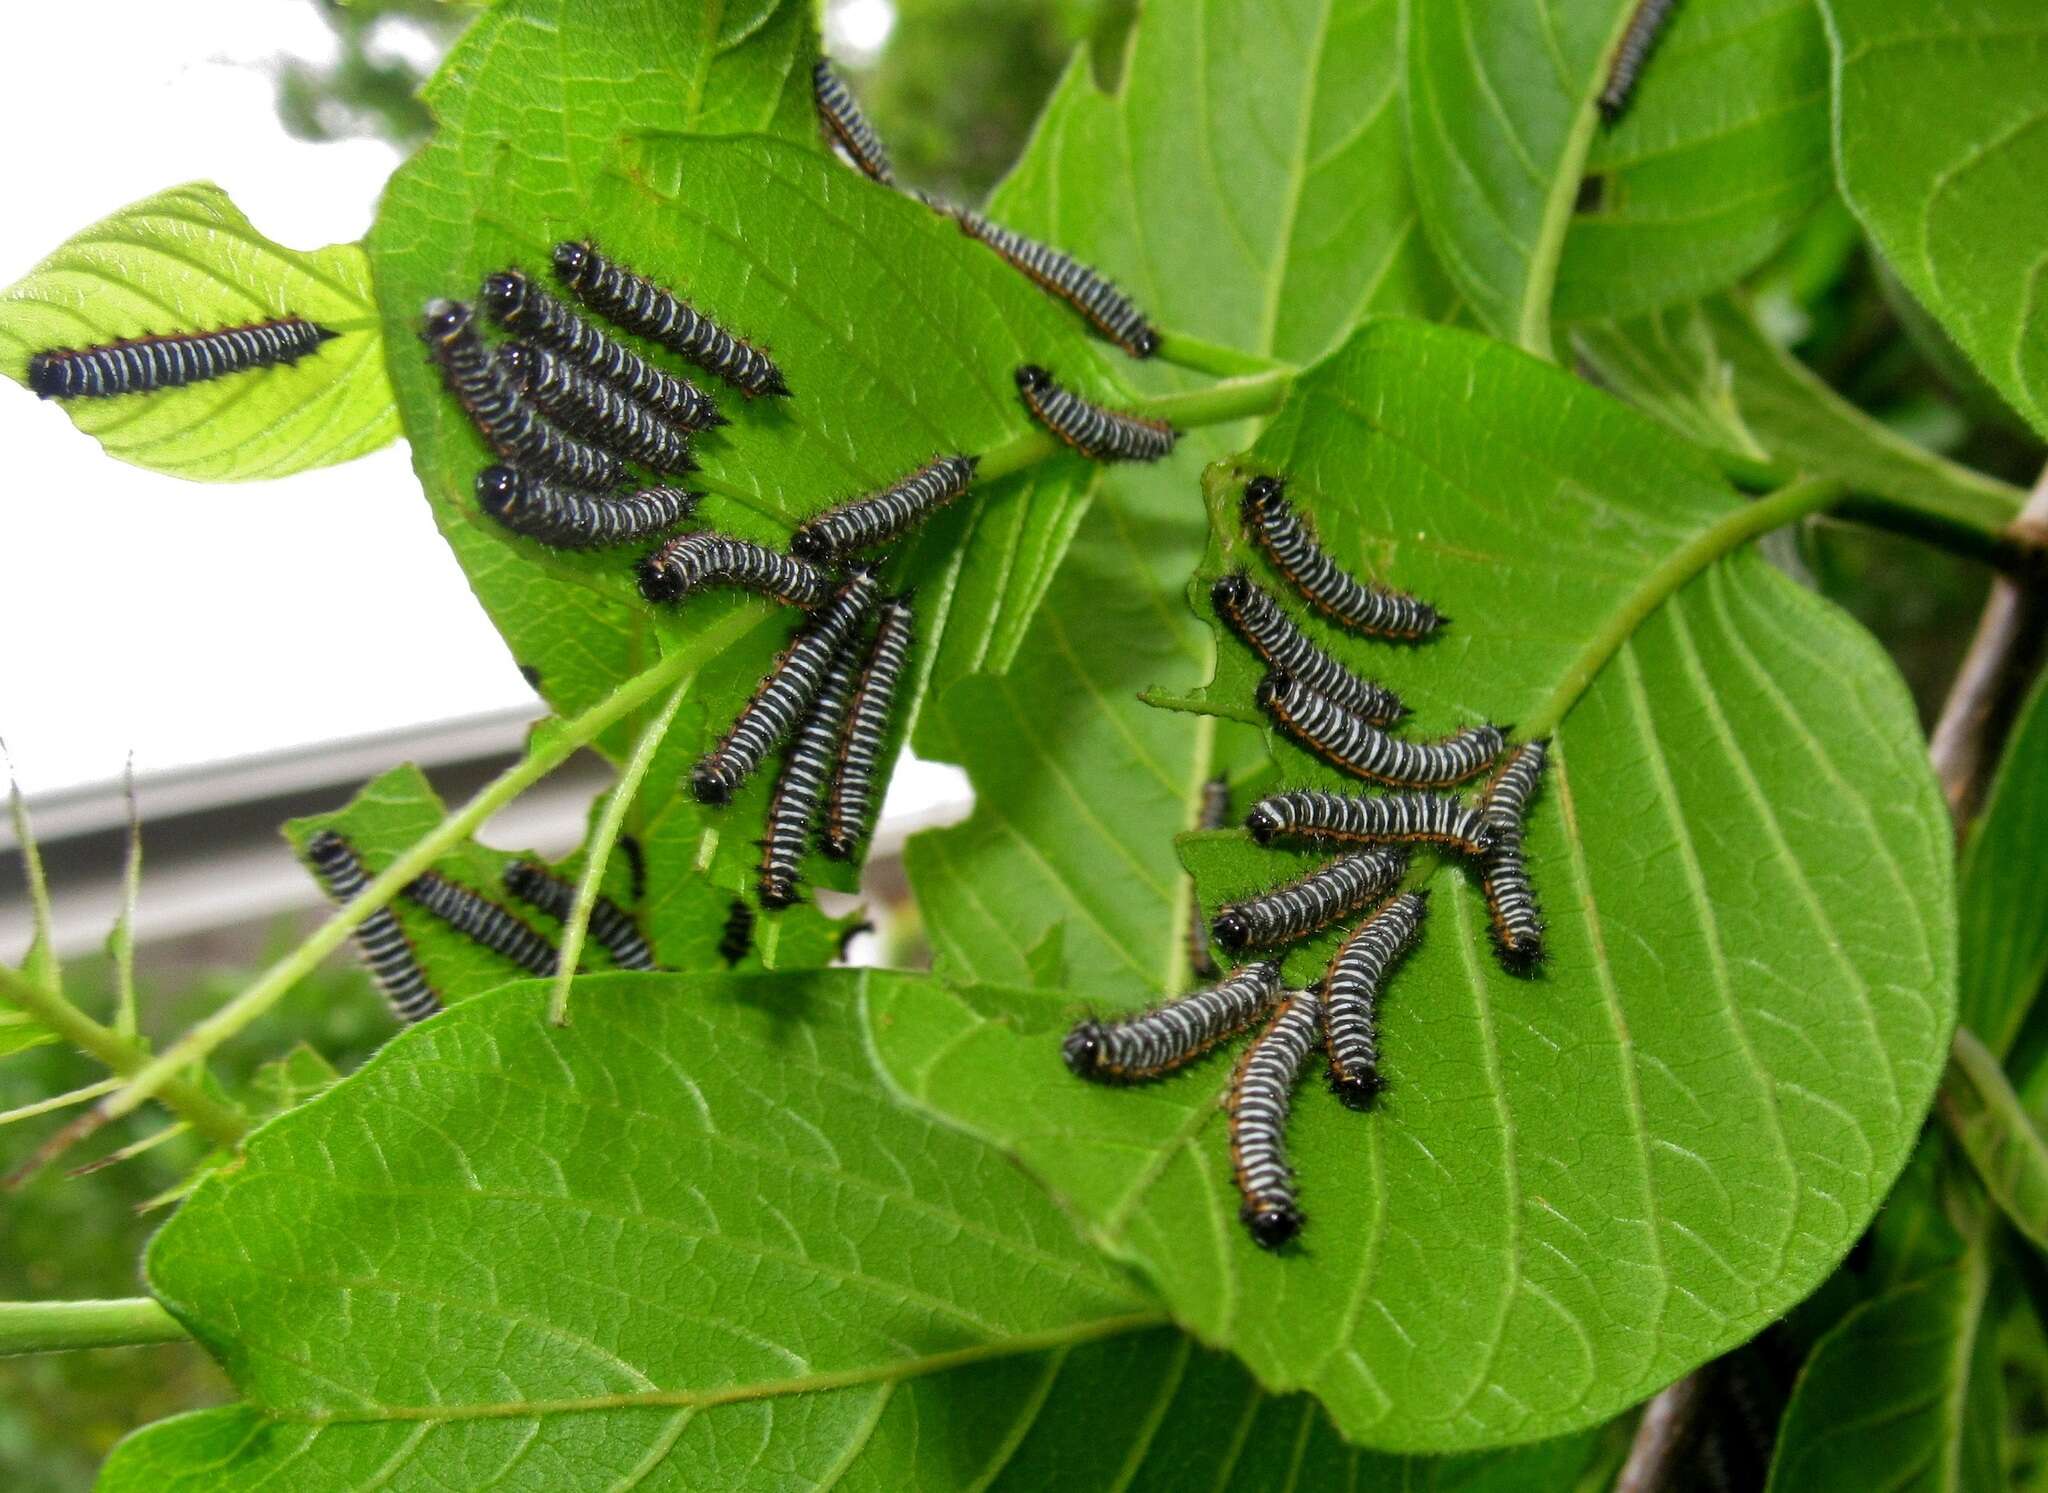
953	86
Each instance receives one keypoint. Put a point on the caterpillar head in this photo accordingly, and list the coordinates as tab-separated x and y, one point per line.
1272	1224
574	261
1082	1050
446	321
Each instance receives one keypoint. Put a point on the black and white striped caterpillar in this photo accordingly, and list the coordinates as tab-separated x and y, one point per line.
1645	28
1504	875
511	426
1310	903
698	561
521	307
569	518
800	788
1348	744
785	695
1256	617
142	365
1105	308
610	924
849	528
639	305
1097	433
379	939
1340	818
850	806
1170	1035
482	921
737	936
587	405
1289	542
1261	1095
1351	995
1212	812
847	127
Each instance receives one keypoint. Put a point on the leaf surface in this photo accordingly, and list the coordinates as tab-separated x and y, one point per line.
186	260
2004	933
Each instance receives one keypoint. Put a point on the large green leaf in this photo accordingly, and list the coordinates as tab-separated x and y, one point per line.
1246	181
1582	1185
2004	930
1941	139
186	260
1715	164
688	1243
1721	156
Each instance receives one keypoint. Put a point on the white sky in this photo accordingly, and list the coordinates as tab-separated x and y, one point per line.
141	611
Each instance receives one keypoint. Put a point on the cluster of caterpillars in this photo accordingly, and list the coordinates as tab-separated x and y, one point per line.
1351	723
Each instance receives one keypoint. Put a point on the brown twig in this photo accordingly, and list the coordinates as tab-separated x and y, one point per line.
1665	1433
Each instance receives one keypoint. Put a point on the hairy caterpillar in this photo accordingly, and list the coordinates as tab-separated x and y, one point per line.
1351	994
586	404
1313	814
1350	745
1261	1094
806	768
1310	903
1504	875
847	127
1097	433
866	731
1270	633
483	921
639	305
694	562
1289	542
142	365
1213	812
864	523
610	924
571	519
378	938
1170	1035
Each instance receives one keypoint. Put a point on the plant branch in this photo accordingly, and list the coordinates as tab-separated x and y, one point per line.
216	1119
1788	503
54	1326
1992	675
1664	1435
549	752
602	839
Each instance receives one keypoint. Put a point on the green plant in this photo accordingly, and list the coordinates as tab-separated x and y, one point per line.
793	1225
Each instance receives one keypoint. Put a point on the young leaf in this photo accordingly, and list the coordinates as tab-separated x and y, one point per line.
1941	150
1721	155
1720	146
1579	1186
1666	364
186	260
2004	935
1997	1134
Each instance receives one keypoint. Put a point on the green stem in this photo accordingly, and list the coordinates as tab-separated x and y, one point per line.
548	753
218	1121
1782	507
54	1326
602	839
1214	358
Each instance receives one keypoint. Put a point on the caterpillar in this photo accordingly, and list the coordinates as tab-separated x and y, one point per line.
610	924
847	127
1105	308
866	730
785	695
1313	814
1171	1035
571	519
1645	28
141	365
588	406
378	938
521	307
1213	812
1350	745
1351	995
484	922
1261	1094
639	305
737	937
1310	903
693	562
1504	875
1097	433
1268	631
1288	540
806	768
507	422
849	528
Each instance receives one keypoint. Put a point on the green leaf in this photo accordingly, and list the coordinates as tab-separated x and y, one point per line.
1666	364
1997	1134
1801	420
1246	181
186	260
1722	155
1941	150
1717	161
1895	1396
1580	1186
2004	933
